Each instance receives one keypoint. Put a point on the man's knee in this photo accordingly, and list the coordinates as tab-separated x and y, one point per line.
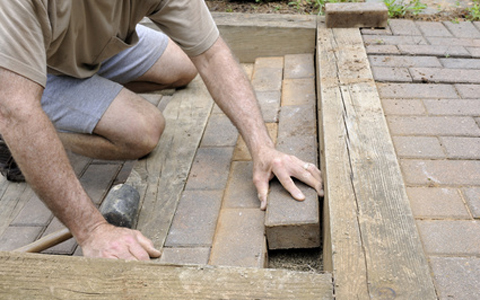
150	130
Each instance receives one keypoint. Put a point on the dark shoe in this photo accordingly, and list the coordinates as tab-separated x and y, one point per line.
8	166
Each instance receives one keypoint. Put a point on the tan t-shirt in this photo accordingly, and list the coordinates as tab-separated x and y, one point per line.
72	37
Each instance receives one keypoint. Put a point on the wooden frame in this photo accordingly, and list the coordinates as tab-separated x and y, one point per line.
371	245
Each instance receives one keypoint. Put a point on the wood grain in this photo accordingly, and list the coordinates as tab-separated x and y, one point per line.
33	276
372	244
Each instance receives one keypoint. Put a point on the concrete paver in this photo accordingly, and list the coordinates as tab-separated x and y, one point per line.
435	124
195	219
458	237
437	203
472	197
403	107
418	147
456	277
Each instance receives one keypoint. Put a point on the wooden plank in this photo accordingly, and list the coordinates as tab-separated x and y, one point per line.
372	244
160	178
260	35
30	276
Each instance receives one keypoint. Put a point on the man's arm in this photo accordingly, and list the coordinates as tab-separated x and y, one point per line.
38	151
232	91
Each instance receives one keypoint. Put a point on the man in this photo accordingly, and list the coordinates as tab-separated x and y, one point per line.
96	58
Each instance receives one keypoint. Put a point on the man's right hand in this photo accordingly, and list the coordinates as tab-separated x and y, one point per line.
108	241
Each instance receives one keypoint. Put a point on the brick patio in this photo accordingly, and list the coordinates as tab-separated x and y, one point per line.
427	75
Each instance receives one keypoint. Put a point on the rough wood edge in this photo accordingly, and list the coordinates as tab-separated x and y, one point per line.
364	266
33	276
261	35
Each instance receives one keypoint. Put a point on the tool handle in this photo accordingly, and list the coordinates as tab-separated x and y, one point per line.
46	242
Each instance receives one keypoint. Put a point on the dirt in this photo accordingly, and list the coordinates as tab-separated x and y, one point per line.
437	10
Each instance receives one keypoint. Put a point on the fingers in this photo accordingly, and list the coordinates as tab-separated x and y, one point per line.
147	244
312	176
261	183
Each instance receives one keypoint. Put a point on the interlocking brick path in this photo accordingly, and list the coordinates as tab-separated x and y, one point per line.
427	75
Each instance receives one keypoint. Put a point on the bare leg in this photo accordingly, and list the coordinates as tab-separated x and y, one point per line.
173	69
131	127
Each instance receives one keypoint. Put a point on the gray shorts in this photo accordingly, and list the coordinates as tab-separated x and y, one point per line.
76	105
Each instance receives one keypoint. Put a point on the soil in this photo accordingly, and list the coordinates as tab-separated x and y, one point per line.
437	10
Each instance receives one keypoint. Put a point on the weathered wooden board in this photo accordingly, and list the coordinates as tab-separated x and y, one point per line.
160	178
372	244
30	276
261	35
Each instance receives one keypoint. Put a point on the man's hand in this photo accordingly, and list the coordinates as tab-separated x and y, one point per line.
108	241
271	163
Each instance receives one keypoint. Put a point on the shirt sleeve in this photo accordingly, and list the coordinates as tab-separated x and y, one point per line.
187	22
22	38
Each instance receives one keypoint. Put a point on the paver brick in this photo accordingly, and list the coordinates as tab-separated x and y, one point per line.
389	74
418	147
241	151
461	147
456	277
403	107
240	240
450	237
440	172
240	191
299	66
460	63
472	197
382	49
445	75
290	223
467	91
298	92
437	203
18	236
220	132
268	63
124	172
34	213
268	74
433	29
185	256
416	90
394	40
445	41
452	107
452	50
98	179
403	27
210	169
347	15
462	29
195	219
404	61
474	51
297	120
269	102
418	125
267	79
